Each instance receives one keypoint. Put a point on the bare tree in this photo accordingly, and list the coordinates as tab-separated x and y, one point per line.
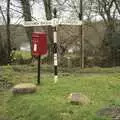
3	16
3	47
27	17
8	31
48	9
109	11
77	7
117	4
81	34
48	13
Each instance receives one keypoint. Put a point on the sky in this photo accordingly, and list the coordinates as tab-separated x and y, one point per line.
16	11
38	12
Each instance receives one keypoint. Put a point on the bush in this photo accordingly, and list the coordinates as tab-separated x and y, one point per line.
18	58
21	57
70	61
3	55
75	61
6	72
63	62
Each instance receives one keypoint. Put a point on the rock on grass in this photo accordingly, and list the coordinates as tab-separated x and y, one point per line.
24	88
78	98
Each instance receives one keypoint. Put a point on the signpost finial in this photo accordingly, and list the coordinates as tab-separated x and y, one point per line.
55	12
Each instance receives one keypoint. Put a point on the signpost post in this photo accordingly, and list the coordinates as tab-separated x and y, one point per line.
54	23
55	48
39	60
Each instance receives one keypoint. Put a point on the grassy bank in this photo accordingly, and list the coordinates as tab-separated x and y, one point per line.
50	102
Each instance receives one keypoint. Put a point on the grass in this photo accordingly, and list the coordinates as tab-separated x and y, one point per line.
50	102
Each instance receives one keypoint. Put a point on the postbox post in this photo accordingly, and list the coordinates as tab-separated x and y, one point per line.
39	60
39	47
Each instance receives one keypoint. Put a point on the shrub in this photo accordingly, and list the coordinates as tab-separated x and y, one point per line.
21	57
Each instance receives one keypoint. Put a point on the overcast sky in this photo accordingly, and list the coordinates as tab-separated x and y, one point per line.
16	11
38	11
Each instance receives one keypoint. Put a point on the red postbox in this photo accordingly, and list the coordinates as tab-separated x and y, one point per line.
39	43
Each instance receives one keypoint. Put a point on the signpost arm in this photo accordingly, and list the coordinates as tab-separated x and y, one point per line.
39	59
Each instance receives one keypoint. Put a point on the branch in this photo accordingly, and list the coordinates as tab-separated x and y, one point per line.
73	7
22	13
100	8
61	4
3	15
117	7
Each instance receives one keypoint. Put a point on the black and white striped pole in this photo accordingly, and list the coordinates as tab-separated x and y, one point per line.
55	47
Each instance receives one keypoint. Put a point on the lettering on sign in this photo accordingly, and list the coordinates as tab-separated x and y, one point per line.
53	22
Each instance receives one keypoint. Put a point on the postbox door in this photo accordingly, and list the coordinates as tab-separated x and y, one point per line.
43	44
39	43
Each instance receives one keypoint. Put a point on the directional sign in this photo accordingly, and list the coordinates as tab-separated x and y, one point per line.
53	22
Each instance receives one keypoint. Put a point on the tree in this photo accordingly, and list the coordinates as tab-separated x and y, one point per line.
117	4
108	10
27	17
8	31
48	9
48	13
3	16
81	34
77	7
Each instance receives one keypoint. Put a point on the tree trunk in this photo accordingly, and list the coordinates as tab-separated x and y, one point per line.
48	12
3	45
27	17
81	36
8	31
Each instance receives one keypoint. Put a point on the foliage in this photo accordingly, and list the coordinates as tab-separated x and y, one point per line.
115	40
69	61
3	55
21	57
6	72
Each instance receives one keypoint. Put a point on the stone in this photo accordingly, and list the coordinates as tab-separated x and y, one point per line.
78	98
24	88
112	112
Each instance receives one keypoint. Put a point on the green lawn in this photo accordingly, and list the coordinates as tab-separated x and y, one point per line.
50	102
